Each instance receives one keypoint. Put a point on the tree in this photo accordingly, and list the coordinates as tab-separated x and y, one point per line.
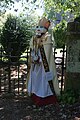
65	8
5	4
15	36
60	34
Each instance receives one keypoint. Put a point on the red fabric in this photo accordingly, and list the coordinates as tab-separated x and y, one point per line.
44	101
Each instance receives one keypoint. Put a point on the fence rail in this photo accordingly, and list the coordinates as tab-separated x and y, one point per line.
13	74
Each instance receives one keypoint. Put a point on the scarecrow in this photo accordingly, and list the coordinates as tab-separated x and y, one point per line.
43	84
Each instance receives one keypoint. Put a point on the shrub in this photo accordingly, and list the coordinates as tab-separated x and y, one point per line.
70	96
60	34
15	37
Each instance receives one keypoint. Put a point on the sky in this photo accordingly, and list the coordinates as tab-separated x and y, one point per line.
18	7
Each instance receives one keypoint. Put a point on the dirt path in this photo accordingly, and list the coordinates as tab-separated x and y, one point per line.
24	109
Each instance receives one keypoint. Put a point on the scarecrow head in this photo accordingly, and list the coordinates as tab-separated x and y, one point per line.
42	27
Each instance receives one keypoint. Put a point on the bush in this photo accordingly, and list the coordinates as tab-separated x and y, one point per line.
60	34
70	96
15	37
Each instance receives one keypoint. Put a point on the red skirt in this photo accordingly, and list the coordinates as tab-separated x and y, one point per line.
44	101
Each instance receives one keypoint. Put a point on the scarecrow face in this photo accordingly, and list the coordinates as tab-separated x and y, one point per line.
40	30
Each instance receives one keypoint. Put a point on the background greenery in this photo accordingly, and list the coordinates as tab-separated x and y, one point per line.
63	7
15	36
